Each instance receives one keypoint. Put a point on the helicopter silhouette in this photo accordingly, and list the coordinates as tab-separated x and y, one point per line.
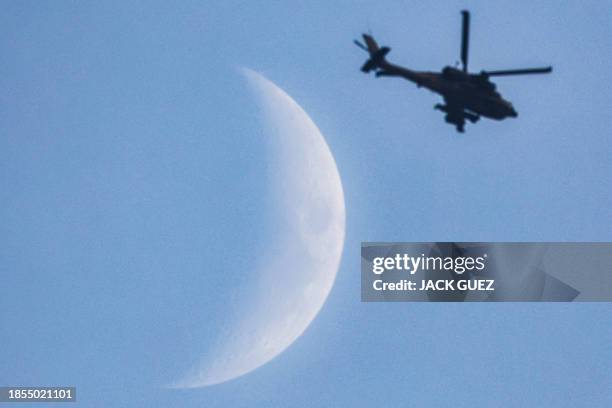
466	95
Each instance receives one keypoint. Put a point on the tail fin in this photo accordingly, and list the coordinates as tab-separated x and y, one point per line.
370	43
377	54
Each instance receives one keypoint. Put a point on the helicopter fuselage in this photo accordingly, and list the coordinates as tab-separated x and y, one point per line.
472	92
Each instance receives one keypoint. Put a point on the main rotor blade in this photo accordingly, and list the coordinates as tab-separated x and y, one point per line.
360	45
465	38
543	70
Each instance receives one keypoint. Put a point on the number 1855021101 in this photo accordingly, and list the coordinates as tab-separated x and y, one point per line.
27	394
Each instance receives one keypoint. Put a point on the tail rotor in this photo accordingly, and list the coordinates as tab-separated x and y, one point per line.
361	45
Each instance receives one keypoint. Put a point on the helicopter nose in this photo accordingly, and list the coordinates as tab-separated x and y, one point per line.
510	111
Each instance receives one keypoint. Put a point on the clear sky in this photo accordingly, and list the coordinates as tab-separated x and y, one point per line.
134	204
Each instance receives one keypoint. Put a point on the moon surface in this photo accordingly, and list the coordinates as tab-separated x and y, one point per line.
299	266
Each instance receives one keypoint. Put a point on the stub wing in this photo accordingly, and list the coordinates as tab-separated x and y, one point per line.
456	114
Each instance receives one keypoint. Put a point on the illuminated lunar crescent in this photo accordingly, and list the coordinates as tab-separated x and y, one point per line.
302	261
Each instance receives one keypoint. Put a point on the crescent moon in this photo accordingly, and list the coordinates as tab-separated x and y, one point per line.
300	267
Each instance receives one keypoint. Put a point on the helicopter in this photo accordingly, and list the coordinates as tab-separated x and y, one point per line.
467	96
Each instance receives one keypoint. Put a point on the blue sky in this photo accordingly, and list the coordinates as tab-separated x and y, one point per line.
134	196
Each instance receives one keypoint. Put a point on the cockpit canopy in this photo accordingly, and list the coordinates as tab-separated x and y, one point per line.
480	80
484	82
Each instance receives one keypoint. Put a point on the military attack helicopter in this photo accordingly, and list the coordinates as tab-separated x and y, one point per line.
466	95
